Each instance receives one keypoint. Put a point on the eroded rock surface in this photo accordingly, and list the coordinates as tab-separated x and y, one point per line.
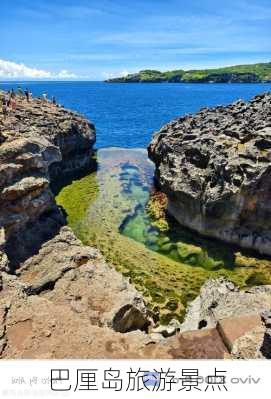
40	145
215	168
63	303
241	317
66	302
220	299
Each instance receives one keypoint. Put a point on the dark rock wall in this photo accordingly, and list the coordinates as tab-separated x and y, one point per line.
215	168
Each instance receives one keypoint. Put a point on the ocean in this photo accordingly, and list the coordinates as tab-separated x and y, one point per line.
126	115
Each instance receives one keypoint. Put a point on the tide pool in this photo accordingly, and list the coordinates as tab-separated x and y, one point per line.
114	209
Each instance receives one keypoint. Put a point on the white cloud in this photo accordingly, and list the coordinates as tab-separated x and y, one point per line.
64	74
12	70
124	73
116	74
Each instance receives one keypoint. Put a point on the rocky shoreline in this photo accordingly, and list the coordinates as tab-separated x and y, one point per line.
59	298
214	167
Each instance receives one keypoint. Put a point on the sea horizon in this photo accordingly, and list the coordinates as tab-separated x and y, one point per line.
127	115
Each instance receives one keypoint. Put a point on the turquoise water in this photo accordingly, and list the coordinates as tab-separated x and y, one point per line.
126	115
178	243
109	209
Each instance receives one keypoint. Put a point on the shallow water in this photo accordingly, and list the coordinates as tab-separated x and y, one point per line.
167	263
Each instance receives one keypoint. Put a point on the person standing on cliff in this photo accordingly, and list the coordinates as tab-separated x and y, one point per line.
54	100
27	95
13	103
12	94
4	107
12	100
8	98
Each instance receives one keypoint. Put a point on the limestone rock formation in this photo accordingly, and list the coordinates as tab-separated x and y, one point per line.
215	168
41	144
67	291
221	299
240	317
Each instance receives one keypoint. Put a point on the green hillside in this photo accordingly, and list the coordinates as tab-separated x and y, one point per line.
251	73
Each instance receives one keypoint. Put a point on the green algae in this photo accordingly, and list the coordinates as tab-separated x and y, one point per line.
257	278
75	199
109	210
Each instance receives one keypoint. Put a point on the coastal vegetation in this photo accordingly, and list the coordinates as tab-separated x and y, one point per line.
250	73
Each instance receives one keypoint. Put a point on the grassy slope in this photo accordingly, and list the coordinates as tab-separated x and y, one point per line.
242	73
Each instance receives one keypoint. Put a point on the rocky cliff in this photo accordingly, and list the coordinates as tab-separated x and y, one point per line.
215	168
41	144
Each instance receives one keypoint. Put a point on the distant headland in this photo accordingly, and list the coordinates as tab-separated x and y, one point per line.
251	73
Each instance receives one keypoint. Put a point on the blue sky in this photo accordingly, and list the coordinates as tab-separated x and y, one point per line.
98	39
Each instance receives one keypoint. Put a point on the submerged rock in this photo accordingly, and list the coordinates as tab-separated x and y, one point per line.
215	169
